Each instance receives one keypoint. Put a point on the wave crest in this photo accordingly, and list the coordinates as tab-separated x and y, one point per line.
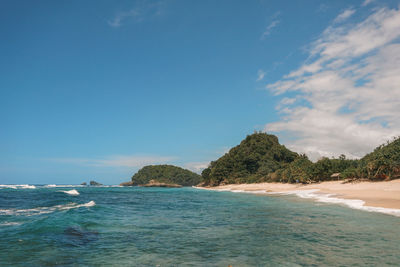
18	186
72	192
45	210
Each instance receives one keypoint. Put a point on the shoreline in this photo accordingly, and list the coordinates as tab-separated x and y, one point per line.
381	197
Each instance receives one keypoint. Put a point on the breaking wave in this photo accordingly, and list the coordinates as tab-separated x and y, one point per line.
18	186
331	198
72	192
45	210
324	198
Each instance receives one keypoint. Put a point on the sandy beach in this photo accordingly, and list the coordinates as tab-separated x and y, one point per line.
373	194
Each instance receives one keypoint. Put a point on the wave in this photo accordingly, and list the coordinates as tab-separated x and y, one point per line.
72	192
331	198
18	186
45	210
321	197
10	223
64	185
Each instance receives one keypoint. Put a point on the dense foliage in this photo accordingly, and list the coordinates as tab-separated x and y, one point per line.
382	163
304	171
251	161
261	158
168	174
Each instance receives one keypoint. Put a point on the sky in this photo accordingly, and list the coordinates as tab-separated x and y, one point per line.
95	90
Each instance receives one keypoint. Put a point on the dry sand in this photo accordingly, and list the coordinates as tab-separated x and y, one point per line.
374	194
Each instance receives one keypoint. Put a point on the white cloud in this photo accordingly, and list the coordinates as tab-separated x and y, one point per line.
196	166
275	21
260	75
344	15
117	21
138	13
134	161
367	2
349	89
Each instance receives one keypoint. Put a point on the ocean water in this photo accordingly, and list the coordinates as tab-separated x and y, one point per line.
114	226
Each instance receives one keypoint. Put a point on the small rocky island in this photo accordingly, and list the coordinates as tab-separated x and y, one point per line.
163	176
94	183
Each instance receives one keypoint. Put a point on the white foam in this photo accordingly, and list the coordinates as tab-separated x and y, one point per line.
331	198
8	186
45	210
66	185
18	186
9	223
222	190
26	186
320	197
72	192
51	185
89	204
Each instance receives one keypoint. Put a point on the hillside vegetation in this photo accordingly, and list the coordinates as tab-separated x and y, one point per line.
260	158
252	160
167	174
382	163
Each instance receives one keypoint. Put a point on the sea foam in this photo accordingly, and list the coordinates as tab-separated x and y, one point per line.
72	192
10	223
331	198
324	198
18	186
45	210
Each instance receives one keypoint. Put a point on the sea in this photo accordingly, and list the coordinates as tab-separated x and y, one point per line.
53	225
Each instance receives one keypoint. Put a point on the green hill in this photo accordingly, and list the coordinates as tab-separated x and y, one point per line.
167	174
252	160
382	163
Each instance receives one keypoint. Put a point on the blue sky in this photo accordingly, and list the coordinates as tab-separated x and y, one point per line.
93	90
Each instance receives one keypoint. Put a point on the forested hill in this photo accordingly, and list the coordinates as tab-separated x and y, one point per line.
251	161
260	158
167	174
383	162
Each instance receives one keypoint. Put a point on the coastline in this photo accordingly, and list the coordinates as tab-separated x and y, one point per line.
370	196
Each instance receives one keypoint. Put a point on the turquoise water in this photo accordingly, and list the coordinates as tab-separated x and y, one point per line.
114	226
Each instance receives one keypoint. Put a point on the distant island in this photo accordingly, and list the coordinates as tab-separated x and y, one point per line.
260	158
94	183
163	176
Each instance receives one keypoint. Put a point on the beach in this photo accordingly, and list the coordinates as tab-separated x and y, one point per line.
372	194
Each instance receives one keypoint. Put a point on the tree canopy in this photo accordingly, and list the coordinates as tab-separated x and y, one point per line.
260	157
167	174
251	161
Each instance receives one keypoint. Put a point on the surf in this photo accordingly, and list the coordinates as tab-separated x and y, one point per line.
72	192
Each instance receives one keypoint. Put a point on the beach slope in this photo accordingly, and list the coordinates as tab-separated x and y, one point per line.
373	194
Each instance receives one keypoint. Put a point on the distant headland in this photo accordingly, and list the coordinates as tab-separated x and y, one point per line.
163	176
261	158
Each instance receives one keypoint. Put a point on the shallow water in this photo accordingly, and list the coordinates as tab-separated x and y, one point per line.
45	226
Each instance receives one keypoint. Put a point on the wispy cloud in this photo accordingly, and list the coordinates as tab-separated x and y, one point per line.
275	21
347	94
196	167
344	15
138	13
260	75
117	20
367	2
134	161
